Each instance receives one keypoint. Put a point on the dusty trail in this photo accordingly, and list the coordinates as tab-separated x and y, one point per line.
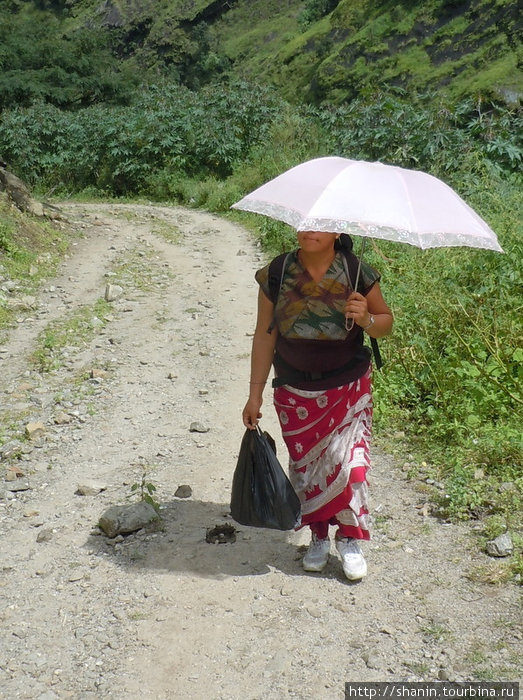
164	614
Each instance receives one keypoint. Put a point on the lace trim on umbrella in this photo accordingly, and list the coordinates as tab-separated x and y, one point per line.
419	240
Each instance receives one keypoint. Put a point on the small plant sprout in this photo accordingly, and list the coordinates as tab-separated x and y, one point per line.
145	489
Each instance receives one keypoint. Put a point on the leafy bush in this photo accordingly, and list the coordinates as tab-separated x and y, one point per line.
420	132
167	128
316	9
40	64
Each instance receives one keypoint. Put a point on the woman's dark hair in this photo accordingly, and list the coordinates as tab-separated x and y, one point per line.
344	242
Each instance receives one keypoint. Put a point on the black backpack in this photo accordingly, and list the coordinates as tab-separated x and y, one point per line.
277	270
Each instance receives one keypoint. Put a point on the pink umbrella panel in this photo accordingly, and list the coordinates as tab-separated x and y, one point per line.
375	200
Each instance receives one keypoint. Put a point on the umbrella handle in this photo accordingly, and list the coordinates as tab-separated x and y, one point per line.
363	244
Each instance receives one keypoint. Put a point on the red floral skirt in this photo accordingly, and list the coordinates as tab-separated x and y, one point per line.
327	434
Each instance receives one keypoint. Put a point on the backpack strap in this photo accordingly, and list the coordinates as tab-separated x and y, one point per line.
276	276
351	262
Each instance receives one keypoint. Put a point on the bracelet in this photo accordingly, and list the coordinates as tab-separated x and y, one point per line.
369	324
265	382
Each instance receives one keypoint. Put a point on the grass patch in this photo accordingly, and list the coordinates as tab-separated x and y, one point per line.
30	251
138	615
494	573
418	667
79	328
437	632
168	232
140	270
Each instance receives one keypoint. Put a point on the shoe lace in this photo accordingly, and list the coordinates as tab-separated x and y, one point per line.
316	544
350	545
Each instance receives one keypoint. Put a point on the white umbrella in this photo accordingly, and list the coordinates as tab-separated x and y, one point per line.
339	195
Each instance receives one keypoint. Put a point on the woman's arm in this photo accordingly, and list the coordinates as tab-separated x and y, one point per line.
362	308
261	360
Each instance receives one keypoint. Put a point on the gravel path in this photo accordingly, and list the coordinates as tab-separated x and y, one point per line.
161	613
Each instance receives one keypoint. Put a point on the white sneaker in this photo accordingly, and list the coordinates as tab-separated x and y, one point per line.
317	555
354	565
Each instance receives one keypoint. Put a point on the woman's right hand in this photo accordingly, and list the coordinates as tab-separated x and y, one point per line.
251	413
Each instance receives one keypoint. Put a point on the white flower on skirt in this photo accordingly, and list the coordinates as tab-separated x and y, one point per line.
302	412
284	418
298	447
322	401
292	401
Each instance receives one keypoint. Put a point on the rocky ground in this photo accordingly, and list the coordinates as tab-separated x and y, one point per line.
152	394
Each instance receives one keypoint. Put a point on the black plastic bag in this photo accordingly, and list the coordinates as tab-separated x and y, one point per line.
262	495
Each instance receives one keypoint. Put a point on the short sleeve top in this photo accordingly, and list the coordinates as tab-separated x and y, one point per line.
310	317
314	310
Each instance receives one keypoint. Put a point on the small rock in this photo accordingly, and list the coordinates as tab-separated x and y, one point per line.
45	535
10	449
197	427
77	576
113	292
18	485
90	489
98	373
183	491
313	610
500	547
62	418
34	430
125	519
48	695
370	660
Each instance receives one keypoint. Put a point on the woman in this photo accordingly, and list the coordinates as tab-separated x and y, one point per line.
313	336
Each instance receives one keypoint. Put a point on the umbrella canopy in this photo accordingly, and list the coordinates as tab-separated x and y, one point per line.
339	195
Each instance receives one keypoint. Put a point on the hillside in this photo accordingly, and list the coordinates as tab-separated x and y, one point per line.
463	47
318	51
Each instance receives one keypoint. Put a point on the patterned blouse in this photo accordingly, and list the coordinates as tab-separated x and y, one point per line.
314	310
310	317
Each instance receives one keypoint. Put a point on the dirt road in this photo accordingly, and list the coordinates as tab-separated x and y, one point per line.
163	614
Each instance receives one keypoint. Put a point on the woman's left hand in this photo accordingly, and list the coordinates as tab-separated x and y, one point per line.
356	308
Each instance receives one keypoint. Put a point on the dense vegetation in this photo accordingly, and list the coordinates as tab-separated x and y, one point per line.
454	365
312	50
39	63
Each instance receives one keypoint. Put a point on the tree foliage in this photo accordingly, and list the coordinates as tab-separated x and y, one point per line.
40	63
314	10
119	149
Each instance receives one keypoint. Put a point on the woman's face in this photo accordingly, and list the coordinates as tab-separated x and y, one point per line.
316	241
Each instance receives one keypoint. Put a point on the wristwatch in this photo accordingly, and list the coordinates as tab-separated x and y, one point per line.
369	324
